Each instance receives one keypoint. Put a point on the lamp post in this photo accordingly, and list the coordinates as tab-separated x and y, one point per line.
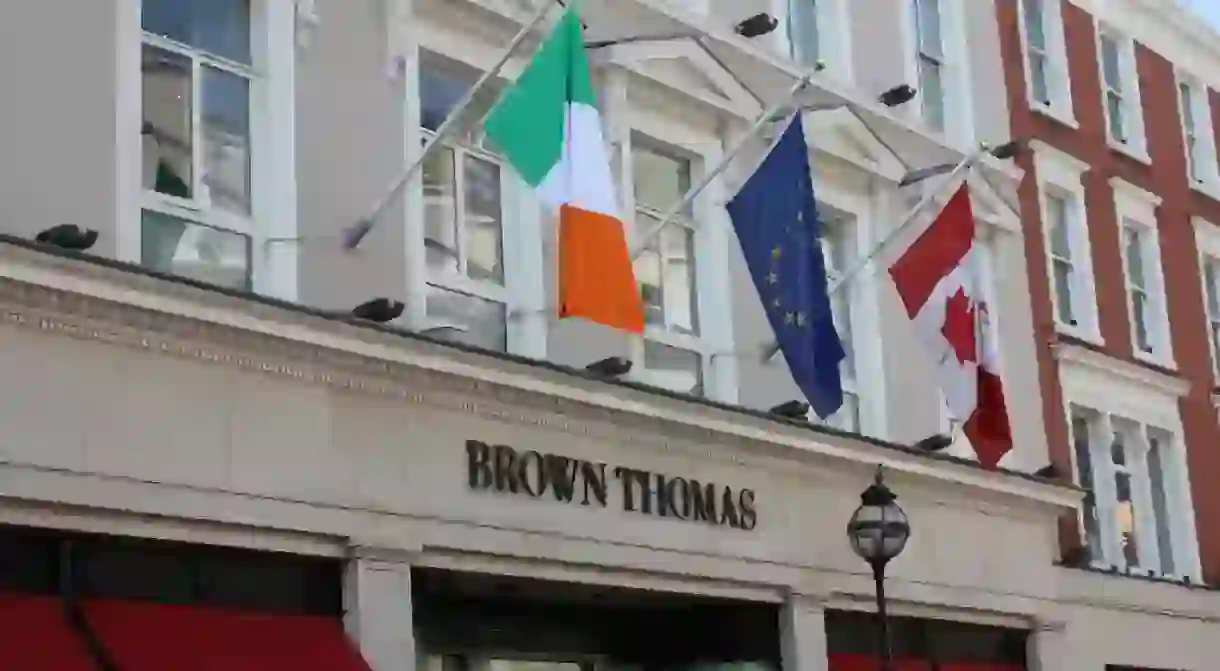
878	532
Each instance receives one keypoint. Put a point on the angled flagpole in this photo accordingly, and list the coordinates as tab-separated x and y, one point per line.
894	235
451	123
741	142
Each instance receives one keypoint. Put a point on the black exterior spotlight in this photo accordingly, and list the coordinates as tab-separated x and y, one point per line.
379	310
68	236
1008	150
878	532
615	366
899	95
934	443
757	25
795	410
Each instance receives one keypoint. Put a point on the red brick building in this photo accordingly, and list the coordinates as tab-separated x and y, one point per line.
1121	208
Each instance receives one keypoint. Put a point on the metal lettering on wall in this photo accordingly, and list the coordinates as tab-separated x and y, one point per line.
500	468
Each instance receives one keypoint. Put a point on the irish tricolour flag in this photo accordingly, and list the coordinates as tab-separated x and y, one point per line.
548	127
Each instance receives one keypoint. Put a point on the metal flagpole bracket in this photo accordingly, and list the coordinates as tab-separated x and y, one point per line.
893	236
741	142
454	119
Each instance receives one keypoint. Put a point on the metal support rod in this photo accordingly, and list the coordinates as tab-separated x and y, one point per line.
884	652
694	191
453	120
893	236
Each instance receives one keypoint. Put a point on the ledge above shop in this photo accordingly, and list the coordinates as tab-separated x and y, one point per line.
93	298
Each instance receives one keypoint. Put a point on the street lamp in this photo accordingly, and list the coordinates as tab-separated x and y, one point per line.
878	532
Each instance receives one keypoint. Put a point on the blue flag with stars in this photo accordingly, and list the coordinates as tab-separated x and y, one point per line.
775	216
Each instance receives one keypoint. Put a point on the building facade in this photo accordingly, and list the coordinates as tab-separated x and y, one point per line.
196	436
1119	203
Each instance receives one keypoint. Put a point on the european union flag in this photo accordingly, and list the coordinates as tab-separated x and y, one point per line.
775	215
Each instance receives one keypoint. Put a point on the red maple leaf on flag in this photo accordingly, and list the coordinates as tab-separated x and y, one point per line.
959	327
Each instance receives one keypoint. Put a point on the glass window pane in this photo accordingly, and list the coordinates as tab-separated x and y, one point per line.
648	276
1057	213
1210	278
442	83
483	219
1035	24
1081	432
1139	318
928	18
932	93
1185	99
226	140
1063	292
441	240
1133	239
678	284
660	180
1039	82
181	247
478	321
1117	120
840	304
1110	64
848	416
167	130
220	27
672	368
803	31
1159	442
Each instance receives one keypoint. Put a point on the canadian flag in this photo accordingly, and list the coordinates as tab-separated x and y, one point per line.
938	285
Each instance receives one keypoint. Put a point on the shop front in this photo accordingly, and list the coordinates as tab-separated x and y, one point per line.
446	510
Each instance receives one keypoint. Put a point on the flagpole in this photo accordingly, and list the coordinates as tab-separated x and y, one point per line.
740	143
454	118
893	236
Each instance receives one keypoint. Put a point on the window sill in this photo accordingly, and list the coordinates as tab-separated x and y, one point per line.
1155	360
1209	188
1138	153
1102	568
1080	333
1050	112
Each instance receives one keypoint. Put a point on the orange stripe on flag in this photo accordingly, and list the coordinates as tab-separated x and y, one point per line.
596	280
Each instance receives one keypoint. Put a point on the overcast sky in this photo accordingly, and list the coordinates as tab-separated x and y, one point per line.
1208	9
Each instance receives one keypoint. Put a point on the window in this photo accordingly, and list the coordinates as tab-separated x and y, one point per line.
1211	293
1120	92
1198	138
1046	58
671	353
464	187
930	62
803	31
1131	518
1141	256
198	75
1068	255
839	250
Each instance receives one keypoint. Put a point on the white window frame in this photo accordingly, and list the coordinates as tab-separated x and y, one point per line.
1118	389
1135	144
523	291
1199	142
834	48
273	188
1207	238
1136	208
860	386
955	72
640	115
1054	55
689	342
1061	175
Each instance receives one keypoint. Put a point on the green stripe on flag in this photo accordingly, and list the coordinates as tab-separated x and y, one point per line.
527	124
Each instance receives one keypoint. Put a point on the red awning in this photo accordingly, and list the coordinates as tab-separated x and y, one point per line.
152	637
35	635
854	662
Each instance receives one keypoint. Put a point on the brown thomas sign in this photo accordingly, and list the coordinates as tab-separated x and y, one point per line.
502	469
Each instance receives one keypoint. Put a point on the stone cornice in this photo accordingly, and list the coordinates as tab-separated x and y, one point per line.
116	304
